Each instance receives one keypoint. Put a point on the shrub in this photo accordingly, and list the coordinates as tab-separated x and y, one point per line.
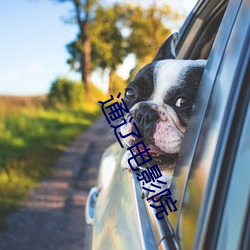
65	92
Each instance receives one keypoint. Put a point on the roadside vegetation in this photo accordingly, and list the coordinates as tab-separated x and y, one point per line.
34	131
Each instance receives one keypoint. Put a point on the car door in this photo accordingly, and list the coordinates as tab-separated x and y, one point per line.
121	220
208	171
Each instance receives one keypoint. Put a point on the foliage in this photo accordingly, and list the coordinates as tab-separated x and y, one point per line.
97	94
108	34
67	93
147	30
74	49
117	84
31	138
119	30
108	48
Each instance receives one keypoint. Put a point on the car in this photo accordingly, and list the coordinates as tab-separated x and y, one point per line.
211	182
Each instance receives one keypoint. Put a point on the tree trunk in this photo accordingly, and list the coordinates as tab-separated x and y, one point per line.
86	57
111	81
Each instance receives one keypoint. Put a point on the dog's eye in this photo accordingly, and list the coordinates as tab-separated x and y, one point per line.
130	94
183	102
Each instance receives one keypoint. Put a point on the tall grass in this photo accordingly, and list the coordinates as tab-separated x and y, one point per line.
31	139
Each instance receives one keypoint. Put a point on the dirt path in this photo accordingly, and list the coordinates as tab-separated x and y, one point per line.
53	218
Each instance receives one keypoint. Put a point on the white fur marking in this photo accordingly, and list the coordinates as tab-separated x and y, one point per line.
169	73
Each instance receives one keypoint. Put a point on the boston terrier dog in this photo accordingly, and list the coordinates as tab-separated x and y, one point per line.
160	99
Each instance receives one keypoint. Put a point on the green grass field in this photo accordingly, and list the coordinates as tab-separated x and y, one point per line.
31	139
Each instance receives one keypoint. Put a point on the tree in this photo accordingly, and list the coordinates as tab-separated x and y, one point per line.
108	45
148	31
119	30
108	48
83	15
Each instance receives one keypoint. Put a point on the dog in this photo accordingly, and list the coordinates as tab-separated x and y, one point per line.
160	99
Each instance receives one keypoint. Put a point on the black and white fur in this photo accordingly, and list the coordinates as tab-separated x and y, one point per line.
160	99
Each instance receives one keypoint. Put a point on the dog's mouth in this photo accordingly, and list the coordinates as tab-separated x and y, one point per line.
158	156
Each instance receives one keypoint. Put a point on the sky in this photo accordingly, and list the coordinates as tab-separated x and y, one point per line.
32	44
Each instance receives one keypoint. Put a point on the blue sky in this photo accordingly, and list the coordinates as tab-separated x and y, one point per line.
32	44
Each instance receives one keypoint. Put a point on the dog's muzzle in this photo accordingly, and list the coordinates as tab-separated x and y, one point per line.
145	119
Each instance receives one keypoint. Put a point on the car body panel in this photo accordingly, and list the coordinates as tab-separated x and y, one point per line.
237	202
209	128
117	223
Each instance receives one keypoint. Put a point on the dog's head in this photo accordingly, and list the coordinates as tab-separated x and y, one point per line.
160	99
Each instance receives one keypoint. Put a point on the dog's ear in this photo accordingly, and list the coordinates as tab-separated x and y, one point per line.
167	49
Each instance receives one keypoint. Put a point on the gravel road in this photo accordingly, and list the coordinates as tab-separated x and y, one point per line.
53	218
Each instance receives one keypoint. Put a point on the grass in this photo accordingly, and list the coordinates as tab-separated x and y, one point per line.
31	139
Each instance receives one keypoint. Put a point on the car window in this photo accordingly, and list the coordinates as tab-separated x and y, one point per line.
198	34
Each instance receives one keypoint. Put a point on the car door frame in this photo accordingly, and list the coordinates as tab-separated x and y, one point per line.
198	138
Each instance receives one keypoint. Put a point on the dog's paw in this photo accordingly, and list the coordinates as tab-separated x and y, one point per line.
165	183
124	162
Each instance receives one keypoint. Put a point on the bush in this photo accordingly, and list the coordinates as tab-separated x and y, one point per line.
65	92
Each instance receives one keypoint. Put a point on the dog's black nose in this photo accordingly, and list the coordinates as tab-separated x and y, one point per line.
145	118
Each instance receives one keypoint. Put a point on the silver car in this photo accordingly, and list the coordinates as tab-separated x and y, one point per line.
212	178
